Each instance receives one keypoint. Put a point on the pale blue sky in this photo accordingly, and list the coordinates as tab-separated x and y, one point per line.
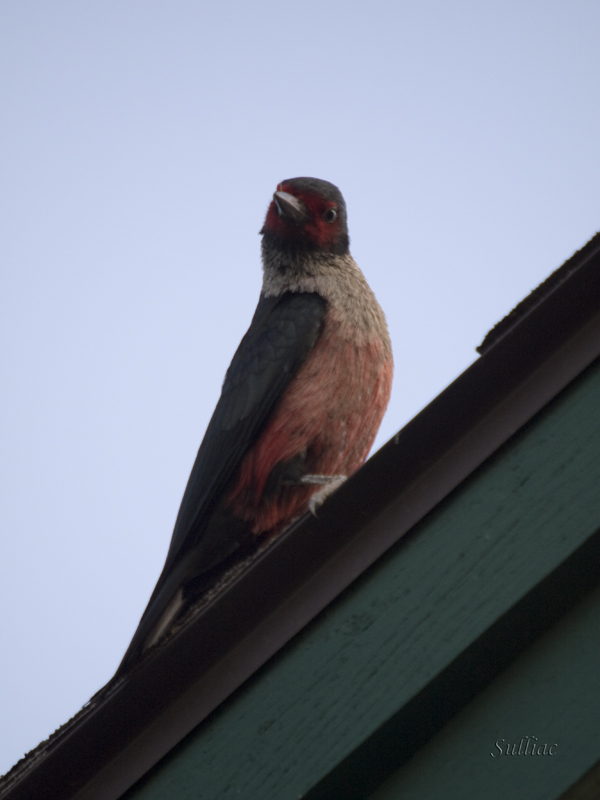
140	143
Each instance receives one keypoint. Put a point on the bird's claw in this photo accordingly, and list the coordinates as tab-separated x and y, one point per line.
329	483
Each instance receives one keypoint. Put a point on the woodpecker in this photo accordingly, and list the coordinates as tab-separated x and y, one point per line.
300	406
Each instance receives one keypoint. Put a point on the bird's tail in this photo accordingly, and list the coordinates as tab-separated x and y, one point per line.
224	541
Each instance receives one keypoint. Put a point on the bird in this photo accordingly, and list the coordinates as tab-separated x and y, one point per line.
300	406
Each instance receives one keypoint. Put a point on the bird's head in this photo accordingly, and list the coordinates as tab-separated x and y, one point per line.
307	214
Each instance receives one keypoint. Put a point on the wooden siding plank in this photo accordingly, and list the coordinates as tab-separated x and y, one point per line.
552	693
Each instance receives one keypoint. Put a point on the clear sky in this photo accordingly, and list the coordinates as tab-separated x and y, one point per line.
140	143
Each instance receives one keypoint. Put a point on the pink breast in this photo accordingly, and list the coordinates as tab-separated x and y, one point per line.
331	411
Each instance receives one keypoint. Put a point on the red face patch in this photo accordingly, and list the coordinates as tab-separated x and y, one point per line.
321	231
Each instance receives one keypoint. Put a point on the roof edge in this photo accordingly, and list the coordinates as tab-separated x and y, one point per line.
552	282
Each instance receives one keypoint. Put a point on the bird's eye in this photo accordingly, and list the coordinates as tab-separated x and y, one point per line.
330	215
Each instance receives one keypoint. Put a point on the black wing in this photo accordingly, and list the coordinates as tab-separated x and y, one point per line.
283	332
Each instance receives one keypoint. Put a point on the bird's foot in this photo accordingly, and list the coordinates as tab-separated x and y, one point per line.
329	483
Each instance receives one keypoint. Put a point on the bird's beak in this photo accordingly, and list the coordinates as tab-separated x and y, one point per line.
289	207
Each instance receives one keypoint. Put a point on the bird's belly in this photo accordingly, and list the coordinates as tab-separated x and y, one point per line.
328	416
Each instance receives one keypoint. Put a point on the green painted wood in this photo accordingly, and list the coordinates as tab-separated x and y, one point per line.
373	650
552	693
